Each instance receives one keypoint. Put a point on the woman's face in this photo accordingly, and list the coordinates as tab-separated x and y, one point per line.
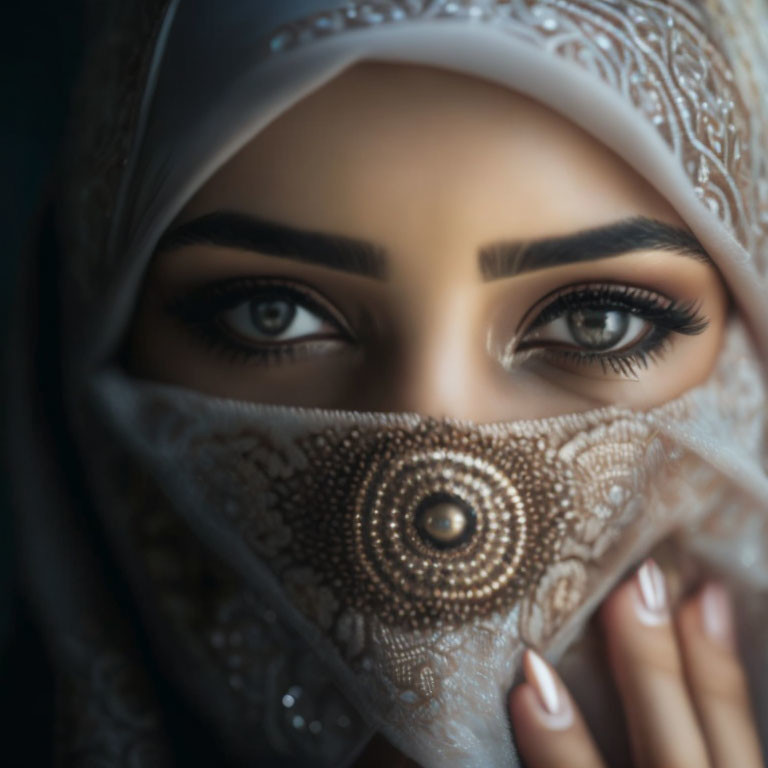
407	239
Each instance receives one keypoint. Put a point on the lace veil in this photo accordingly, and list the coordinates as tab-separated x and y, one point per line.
279	566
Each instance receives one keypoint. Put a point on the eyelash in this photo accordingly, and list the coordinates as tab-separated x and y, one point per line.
666	316
200	310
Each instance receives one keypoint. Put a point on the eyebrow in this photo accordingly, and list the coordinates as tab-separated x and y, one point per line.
232	229
507	259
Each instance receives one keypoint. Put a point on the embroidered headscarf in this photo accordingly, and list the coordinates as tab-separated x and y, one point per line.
291	571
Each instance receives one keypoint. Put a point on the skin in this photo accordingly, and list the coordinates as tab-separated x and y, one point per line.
683	689
430	167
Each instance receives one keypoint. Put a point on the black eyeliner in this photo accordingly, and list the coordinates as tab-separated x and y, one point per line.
680	317
199	311
666	316
203	303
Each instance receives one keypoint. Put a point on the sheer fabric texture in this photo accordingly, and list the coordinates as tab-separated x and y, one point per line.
287	576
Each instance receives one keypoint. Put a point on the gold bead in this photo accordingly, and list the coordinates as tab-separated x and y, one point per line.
444	522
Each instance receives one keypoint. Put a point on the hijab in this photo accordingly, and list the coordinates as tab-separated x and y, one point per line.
267	569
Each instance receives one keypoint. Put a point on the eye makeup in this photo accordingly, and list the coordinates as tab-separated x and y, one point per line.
661	315
654	317
204	309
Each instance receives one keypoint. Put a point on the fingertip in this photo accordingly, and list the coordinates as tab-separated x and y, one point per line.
716	675
687	615
546	738
537	733
523	714
609	608
523	704
715	613
642	599
708	614
619	605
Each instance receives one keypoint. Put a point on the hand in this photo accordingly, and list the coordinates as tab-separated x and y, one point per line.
683	689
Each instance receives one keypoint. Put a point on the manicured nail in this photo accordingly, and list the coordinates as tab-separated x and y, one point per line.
556	708
717	615
651	608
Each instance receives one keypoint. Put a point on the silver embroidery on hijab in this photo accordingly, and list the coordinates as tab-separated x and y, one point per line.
660	56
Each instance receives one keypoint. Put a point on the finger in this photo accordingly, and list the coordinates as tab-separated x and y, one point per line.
716	679
550	731
646	663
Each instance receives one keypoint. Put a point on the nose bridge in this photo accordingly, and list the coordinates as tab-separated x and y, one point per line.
440	361
441	352
442	365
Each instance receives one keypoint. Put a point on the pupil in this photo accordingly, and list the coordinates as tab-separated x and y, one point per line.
272	317
598	328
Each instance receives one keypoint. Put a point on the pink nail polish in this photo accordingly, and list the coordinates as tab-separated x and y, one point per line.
651	607
717	615
556	709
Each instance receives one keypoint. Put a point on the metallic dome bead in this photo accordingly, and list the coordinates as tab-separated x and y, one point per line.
445	521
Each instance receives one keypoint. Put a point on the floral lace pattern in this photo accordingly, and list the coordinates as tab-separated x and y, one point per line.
105	712
263	686
286	484
343	531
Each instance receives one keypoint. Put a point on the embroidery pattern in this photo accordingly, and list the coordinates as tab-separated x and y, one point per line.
660	56
292	485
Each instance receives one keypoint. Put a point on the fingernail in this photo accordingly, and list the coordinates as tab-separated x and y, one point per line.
651	608
556	708
717	615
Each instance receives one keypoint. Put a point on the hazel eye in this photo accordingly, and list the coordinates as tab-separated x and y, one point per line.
274	319
592	329
619	327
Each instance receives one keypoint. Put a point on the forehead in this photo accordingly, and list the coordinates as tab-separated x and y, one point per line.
385	142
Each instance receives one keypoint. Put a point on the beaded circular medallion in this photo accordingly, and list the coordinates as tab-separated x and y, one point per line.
431	524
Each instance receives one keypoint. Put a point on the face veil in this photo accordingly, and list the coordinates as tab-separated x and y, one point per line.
326	574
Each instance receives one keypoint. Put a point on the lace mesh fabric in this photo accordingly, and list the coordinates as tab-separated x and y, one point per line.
423	639
419	668
253	680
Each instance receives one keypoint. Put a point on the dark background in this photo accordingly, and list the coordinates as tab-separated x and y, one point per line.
41	45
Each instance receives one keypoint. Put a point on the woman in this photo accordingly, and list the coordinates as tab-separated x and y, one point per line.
395	333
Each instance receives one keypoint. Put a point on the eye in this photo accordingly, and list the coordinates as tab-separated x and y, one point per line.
594	329
274	319
262	317
617	326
